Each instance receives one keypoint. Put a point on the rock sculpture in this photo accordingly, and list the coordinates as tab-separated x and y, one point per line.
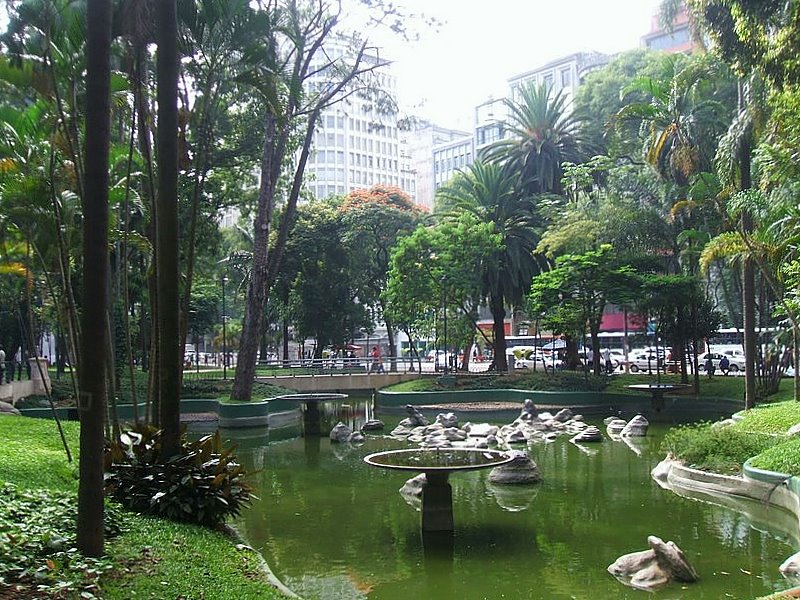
447	419
520	471
589	434
340	433
373	425
8	409
529	410
615	426
653	568
563	415
636	427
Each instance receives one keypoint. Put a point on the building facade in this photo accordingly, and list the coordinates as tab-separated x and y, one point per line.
356	145
677	39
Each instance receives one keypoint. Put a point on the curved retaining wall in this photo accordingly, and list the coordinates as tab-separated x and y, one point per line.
590	403
229	414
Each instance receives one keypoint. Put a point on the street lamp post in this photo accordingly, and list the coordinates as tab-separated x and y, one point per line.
444	318
224	332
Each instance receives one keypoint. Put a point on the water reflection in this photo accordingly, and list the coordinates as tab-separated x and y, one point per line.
334	528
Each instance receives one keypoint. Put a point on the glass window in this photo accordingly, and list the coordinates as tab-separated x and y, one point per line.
548	80
340	139
340	122
340	157
566	78
329	121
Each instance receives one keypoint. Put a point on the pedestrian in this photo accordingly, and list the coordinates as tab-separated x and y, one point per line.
607	360
709	366
377	362
724	364
17	364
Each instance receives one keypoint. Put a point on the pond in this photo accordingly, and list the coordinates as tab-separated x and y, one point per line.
333	528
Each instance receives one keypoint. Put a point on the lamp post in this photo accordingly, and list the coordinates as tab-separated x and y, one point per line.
224	332
443	281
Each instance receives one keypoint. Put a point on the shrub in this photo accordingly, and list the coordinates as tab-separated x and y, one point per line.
781	458
772	418
202	485
720	450
37	543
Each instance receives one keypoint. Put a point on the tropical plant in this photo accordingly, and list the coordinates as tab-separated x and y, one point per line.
487	192
202	484
541	134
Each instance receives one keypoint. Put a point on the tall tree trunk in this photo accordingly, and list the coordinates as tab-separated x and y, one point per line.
257	288
169	359
748	274
499	330
94	328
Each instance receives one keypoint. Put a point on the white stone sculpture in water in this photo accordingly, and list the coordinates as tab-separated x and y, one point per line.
653	568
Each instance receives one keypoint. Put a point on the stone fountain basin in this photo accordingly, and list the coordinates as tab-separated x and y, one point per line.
432	460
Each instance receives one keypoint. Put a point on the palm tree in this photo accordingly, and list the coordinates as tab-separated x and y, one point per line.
487	190
541	135
677	121
94	330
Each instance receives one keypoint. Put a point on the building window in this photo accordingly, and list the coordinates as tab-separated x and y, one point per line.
548	81
566	78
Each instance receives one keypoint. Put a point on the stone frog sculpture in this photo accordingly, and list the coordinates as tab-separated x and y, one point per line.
653	568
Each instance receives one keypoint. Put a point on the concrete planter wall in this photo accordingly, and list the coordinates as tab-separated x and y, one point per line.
592	404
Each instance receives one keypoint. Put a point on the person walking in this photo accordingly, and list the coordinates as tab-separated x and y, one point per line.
2	365
17	364
377	361
607	361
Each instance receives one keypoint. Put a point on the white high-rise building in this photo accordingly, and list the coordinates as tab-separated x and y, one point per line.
425	144
563	75
356	145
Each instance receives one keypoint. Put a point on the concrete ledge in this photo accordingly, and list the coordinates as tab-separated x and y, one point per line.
229	414
590	403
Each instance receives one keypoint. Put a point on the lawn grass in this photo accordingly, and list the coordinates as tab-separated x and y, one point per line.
153	558
760	435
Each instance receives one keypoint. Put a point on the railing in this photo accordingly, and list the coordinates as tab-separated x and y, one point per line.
325	367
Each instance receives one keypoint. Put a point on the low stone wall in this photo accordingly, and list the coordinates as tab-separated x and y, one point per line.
229	414
591	404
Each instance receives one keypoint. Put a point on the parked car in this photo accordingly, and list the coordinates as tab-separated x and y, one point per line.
541	363
644	361
735	363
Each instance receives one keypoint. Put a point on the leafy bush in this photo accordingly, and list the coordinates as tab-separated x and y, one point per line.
781	458
37	543
203	485
771	418
720	450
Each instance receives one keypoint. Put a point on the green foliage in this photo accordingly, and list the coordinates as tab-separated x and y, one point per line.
37	543
157	558
565	381
781	458
720	450
32	456
202	485
771	418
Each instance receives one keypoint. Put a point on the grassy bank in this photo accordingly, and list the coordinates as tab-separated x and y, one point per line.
716	387
760	435
192	387
149	558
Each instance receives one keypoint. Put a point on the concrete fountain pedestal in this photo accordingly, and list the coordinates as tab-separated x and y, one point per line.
437	464
311	413
657	391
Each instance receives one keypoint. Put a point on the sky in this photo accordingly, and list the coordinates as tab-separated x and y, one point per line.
481	44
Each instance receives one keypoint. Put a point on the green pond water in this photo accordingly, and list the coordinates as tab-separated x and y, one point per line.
332	527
